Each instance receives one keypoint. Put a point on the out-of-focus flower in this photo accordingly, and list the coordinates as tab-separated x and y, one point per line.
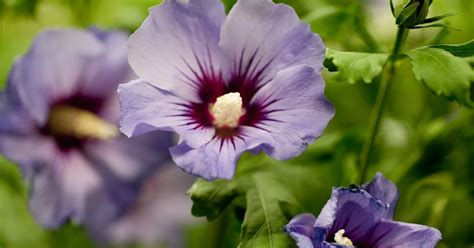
59	123
360	217
159	216
250	81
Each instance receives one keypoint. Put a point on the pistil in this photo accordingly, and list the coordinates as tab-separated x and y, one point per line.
227	110
74	122
341	240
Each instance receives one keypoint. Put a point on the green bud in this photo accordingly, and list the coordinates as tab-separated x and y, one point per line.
409	13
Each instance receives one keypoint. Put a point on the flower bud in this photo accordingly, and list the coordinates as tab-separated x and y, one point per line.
409	13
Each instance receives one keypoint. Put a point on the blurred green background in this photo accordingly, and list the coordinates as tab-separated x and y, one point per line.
426	143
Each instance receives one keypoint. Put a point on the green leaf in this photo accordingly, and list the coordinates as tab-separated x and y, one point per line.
355	66
265	216
437	18
443	73
210	199
462	50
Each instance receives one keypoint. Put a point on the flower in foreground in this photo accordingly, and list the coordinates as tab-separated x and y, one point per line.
250	81
60	124
360	217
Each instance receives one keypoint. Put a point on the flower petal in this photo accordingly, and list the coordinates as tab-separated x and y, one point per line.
132	159
296	112
175	42
60	188
103	73
45	75
269	37
398	234
353	210
384	190
300	229
159	215
123	165
145	108
216	159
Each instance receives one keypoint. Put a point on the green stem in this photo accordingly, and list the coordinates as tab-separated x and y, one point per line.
376	115
365	35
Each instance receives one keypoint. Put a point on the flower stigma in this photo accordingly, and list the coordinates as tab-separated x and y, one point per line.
227	110
78	123
341	240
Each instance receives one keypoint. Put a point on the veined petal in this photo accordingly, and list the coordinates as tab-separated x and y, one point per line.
384	190
52	68
145	108
214	160
296	111
398	234
301	229
353	210
261	37
177	43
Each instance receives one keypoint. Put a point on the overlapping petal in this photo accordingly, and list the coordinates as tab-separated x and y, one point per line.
384	190
177	42
145	108
398	234
270	37
301	229
216	159
109	68
296	112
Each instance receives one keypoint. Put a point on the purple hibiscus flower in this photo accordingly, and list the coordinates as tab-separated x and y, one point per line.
360	217
250	81
60	125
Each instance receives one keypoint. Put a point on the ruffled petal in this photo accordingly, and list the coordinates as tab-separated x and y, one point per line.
145	108
384	190
45	75
353	210
398	234
295	112
301	228
265	37
177	43
216	159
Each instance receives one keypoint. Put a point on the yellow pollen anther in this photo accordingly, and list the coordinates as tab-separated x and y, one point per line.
341	240
78	123
227	110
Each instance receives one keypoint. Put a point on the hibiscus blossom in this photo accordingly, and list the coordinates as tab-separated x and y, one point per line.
60	124
250	81
360	217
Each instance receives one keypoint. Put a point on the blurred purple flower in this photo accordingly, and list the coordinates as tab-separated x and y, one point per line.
59	123
360	217
250	81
